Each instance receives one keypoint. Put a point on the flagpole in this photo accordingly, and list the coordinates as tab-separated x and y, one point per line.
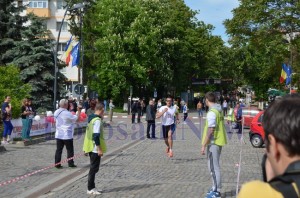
68	8
291	73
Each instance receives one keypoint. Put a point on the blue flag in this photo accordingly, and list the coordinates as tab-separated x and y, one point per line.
75	55
288	74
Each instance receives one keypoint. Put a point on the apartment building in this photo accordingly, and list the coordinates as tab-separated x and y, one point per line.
52	11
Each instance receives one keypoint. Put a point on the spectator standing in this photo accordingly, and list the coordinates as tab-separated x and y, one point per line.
6	110
64	132
134	110
86	104
225	105
139	111
159	105
199	109
105	105
111	107
150	118
91	110
185	112
31	115
25	118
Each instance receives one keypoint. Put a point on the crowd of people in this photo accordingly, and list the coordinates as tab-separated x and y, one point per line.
281	122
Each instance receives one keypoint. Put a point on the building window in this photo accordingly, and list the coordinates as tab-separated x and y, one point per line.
64	28
60	4
38	4
61	47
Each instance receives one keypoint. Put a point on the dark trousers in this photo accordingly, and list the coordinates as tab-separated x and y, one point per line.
185	115
225	111
59	148
139	116
149	124
133	118
94	168
239	123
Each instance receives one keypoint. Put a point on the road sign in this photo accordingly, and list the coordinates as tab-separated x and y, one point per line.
79	89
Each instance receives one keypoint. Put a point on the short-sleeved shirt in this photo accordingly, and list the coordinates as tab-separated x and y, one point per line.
65	121
211	119
96	129
168	117
3	111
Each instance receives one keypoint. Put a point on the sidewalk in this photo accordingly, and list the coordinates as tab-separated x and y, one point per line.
144	170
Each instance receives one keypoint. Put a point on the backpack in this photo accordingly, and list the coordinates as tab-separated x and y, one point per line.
288	184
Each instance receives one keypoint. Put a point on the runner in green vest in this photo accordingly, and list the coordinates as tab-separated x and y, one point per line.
94	145
213	138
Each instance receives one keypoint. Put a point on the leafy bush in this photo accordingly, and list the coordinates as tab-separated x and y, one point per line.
12	85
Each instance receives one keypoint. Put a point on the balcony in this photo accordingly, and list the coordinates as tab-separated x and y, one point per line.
40	12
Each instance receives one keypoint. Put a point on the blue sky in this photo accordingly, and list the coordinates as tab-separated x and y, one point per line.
214	12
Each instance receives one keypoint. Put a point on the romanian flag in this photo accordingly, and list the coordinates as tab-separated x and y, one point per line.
286	74
283	73
68	50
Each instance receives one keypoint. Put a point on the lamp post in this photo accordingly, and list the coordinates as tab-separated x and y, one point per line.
68	8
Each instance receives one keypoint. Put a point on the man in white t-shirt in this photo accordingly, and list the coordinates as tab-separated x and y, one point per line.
167	113
65	121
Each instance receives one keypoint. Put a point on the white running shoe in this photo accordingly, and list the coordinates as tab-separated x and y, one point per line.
4	142
94	191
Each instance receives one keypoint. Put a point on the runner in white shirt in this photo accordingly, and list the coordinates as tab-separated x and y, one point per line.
167	113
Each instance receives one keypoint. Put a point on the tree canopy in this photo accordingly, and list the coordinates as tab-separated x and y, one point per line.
264	34
149	44
12	85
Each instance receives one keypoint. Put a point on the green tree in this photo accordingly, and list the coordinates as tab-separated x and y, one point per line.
34	56
11	25
144	43
261	33
12	85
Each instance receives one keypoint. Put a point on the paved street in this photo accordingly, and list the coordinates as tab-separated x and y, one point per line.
140	169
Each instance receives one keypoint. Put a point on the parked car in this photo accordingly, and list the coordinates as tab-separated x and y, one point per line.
249	113
257	134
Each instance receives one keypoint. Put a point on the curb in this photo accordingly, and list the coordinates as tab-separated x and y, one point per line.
27	143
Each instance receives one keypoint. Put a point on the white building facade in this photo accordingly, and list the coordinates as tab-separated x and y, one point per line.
52	11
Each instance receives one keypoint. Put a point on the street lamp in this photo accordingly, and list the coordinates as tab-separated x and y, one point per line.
75	7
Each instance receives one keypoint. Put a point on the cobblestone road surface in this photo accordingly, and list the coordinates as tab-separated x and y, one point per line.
142	170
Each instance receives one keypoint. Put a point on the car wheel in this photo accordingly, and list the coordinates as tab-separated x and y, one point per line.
256	141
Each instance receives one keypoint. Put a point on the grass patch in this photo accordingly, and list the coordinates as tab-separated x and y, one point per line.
119	110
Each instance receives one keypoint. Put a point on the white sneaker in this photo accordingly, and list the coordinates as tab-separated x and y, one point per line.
93	192
99	190
4	142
